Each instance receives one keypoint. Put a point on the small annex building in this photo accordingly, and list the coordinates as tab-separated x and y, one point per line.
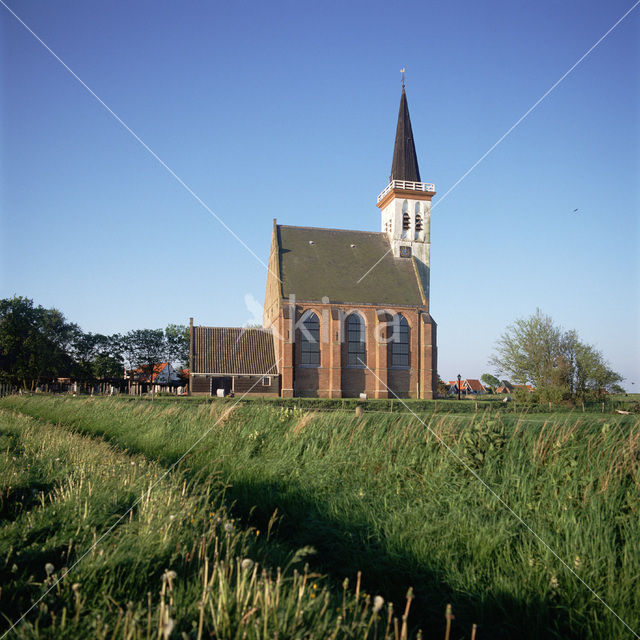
346	312
234	360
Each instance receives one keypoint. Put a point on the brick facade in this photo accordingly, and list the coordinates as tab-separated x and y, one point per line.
334	378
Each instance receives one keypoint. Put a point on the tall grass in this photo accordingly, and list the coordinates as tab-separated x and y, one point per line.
381	494
177	565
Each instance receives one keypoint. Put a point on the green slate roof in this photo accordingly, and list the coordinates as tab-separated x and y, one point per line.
321	262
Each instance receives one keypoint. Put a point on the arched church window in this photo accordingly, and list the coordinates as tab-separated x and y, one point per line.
400	342
406	221
418	222
310	340
356	341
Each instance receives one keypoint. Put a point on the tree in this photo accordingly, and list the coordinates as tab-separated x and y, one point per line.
443	389
105	366
34	342
97	357
528	350
177	339
38	345
534	351
144	348
490	381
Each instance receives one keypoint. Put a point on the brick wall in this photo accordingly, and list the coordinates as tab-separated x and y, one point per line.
251	385
333	378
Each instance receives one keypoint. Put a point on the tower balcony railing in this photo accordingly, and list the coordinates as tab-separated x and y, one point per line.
407	185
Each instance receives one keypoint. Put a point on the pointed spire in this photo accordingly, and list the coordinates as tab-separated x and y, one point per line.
405	160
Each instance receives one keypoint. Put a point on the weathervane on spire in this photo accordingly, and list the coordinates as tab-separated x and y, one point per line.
402	75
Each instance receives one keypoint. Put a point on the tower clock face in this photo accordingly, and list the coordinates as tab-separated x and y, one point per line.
405	251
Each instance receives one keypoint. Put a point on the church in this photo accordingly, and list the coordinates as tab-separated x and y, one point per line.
346	313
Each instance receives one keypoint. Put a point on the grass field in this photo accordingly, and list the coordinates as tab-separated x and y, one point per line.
379	494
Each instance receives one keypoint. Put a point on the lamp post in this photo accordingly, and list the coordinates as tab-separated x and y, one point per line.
459	376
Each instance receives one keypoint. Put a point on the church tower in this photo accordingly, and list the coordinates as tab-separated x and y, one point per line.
405	203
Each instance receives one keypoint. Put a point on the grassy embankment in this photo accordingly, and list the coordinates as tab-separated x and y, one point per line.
381	494
177	563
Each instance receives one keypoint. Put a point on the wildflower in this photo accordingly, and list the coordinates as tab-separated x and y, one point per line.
167	628
172	518
49	568
228	527
169	576
577	562
553	583
257	532
378	601
247	564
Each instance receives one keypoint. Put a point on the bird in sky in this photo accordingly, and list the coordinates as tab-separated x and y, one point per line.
575	211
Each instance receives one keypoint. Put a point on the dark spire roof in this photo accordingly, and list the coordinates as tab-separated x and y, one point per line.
405	161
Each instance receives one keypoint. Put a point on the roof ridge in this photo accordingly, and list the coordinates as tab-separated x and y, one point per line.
292	226
205	326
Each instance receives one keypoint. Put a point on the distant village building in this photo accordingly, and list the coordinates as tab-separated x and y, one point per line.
346	312
467	386
163	373
161	377
524	387
505	387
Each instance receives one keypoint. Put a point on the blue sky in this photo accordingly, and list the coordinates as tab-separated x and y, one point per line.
287	110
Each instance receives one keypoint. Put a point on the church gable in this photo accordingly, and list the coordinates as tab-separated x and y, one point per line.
315	263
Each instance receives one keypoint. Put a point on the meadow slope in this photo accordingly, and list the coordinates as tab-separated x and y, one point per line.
98	543
382	494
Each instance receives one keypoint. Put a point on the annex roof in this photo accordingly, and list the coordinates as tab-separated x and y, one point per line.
348	267
233	351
